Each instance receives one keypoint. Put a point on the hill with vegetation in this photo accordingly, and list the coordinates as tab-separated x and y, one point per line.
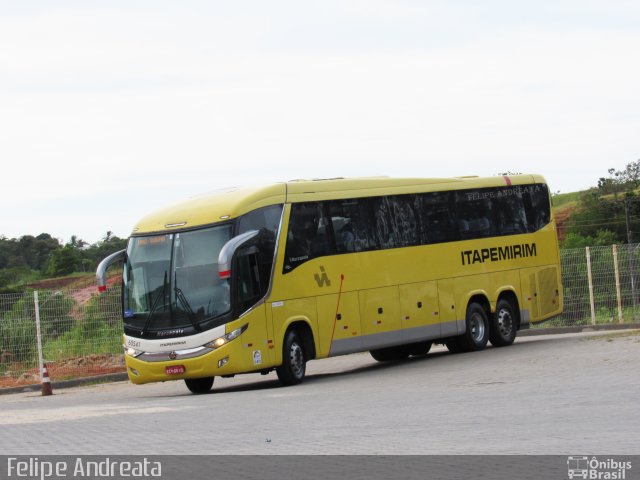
44	262
603	215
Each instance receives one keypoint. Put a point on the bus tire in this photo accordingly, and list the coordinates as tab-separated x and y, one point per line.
294	360
199	385
390	354
454	345
419	348
476	334
503	328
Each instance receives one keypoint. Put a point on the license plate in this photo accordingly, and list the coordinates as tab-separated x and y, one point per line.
175	370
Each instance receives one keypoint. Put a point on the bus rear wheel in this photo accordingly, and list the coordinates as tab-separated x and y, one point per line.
294	360
199	385
476	334
503	329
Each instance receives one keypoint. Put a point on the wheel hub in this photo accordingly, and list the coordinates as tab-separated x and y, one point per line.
297	360
505	323
477	327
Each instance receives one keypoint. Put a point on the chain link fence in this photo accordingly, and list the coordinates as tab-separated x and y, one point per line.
601	285
81	330
80	335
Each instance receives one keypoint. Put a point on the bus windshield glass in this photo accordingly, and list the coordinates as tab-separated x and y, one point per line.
171	281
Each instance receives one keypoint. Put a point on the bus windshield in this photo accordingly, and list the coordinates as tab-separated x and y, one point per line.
171	281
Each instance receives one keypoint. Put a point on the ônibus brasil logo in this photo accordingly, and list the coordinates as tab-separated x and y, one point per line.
597	469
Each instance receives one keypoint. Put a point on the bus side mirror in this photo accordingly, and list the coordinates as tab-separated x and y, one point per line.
229	249
101	272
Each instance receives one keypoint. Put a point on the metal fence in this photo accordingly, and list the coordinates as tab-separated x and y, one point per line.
601	285
78	333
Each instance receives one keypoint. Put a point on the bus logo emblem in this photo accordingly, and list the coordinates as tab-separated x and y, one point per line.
322	279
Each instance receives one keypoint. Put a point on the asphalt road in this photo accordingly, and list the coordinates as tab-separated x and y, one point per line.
574	394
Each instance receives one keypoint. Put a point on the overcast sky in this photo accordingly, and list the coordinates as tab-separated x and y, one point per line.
109	110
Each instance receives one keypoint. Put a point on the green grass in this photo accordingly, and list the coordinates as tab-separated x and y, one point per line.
82	341
562	199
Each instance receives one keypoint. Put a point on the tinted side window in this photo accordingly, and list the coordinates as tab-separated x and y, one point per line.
500	211
510	218
378	223
396	222
308	235
436	218
252	280
267	217
353	228
537	206
255	267
475	213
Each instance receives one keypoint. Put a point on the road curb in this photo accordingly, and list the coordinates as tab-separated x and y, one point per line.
76	382
577	329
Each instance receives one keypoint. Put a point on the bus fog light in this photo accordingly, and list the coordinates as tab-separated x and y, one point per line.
222	362
134	371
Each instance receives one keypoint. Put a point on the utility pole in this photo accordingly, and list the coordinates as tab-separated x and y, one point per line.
631	255
626	217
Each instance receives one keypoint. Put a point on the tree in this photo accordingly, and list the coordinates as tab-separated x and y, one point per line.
625	180
612	185
63	261
631	175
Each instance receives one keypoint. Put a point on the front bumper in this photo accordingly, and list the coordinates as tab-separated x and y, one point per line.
206	365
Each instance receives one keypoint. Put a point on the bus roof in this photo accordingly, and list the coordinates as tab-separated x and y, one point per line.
221	205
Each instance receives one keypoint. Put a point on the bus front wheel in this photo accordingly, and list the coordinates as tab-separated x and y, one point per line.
199	385
294	360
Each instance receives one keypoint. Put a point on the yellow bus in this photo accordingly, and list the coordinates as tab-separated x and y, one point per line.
259	279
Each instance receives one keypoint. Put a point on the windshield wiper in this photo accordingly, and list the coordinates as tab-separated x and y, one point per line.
155	305
186	306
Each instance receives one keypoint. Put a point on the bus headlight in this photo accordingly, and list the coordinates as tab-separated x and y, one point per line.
223	340
132	352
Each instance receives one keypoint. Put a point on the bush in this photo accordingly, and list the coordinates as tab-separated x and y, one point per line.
18	333
92	335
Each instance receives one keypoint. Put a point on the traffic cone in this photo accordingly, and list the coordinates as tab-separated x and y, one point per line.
46	382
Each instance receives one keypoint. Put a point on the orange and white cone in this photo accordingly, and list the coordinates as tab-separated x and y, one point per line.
46	382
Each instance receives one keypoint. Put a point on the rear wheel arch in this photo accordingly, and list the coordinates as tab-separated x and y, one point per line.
482	300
